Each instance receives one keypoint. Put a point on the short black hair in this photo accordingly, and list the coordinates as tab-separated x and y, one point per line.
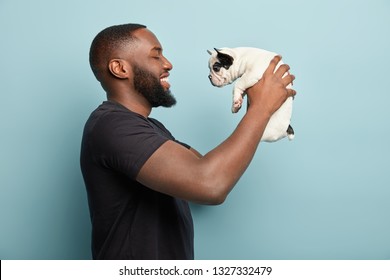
108	40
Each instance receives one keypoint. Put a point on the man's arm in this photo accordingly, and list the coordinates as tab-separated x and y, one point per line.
199	155
183	173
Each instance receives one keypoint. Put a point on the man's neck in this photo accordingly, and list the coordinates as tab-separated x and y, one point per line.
139	106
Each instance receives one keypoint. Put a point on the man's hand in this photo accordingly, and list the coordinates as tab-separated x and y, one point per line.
270	92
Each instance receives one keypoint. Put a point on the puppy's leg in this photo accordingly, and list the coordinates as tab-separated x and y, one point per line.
237	99
240	87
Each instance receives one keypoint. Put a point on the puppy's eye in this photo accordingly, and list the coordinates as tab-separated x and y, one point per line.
217	67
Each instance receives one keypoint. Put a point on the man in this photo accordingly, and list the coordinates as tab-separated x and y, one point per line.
137	175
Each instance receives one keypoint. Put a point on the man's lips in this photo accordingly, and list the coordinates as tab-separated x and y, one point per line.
165	81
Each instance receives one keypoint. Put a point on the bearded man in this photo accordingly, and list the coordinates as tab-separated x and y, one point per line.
138	177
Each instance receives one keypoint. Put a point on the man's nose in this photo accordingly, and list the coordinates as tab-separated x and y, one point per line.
167	65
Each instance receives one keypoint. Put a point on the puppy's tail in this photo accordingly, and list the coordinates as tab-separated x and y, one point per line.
290	133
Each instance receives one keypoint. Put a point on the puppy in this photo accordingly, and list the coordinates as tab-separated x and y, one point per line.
247	65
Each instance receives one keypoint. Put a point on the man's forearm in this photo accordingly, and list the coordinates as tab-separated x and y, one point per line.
228	161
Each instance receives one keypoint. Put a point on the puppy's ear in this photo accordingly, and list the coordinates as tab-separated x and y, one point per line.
225	59
217	50
209	52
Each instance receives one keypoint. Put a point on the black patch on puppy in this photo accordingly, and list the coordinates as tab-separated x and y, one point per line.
290	130
225	59
217	66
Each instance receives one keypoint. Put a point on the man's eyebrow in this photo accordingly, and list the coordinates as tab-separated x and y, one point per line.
158	49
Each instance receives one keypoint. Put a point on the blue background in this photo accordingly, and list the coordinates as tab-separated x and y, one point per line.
324	195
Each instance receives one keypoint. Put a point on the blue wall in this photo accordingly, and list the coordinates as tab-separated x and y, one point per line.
324	195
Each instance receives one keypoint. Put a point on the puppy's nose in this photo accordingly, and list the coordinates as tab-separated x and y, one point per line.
210	77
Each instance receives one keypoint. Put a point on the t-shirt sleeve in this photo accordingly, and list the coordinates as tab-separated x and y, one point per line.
125	144
166	131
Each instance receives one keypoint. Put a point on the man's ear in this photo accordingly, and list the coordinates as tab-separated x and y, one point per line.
119	68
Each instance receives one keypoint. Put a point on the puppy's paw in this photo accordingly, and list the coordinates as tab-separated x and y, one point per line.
236	105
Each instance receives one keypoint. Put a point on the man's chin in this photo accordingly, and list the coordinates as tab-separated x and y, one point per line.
169	102
165	100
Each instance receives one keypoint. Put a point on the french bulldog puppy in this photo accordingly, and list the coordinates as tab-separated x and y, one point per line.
246	66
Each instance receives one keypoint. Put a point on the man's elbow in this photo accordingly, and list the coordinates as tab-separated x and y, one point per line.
214	185
216	192
217	198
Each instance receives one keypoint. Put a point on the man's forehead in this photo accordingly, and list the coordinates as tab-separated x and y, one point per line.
147	40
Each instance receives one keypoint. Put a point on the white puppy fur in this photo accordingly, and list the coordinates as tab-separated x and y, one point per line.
246	66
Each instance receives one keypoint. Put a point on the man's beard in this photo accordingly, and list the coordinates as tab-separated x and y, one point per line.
150	87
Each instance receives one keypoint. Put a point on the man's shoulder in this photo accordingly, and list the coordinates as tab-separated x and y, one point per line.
112	108
113	114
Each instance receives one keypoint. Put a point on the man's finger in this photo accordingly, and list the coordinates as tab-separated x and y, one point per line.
272	65
288	79
291	92
282	70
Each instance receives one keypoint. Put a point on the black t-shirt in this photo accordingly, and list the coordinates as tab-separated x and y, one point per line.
129	220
